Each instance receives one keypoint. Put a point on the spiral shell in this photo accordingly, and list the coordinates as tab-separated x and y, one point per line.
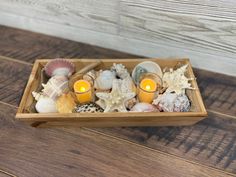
55	87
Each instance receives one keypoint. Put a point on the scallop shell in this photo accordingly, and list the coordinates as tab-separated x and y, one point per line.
120	70
60	67
172	102
55	87
144	107
104	80
144	67
45	105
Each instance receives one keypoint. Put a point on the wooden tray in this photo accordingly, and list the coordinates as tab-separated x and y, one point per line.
197	112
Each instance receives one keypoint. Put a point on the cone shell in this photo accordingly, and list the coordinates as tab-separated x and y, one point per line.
55	87
59	66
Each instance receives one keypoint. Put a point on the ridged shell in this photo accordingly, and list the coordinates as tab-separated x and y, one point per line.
144	67
60	67
55	87
104	80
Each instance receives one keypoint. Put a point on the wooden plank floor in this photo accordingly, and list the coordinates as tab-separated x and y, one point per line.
205	149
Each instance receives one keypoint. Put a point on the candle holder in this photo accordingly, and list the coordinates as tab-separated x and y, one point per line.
84	89
149	86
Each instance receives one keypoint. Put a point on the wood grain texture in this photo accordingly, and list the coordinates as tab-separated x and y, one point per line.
201	30
80	152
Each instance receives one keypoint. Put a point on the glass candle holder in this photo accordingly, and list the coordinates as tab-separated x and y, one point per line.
148	87
84	89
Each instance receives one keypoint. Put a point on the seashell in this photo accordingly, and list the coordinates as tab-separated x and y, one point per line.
130	103
104	80
89	108
172	102
176	81
120	70
144	67
60	67
55	86
127	85
144	107
65	103
45	105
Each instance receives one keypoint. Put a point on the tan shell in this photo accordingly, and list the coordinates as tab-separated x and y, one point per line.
65	103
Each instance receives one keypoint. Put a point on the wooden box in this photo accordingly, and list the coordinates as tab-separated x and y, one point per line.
197	112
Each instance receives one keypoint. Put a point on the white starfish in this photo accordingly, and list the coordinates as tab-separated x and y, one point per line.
116	99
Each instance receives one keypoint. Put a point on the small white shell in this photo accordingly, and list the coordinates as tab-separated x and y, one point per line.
104	80
144	107
45	105
144	67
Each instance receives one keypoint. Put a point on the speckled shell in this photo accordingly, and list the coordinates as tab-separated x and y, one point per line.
144	67
104	80
144	107
60	67
45	105
88	108
55	87
172	102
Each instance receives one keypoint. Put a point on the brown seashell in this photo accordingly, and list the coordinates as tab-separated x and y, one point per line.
60	67
65	103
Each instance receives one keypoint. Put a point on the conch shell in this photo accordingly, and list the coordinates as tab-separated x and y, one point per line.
55	87
176	81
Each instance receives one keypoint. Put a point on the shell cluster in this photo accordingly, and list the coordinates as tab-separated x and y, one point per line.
115	89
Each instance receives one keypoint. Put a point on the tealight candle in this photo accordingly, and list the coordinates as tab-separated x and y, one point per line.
148	87
83	91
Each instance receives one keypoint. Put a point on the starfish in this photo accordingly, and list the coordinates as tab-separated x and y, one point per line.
115	100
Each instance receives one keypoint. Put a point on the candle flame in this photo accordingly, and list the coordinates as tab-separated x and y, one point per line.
82	89
148	87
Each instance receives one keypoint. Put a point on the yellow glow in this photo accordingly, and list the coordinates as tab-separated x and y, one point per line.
148	87
82	89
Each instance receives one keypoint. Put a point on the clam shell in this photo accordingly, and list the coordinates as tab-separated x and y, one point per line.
45	105
144	67
104	80
144	107
55	87
59	66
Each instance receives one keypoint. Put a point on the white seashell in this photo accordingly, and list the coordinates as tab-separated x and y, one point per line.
120	71
144	107
172	102
176	81
144	67
46	105
127	85
104	80
55	87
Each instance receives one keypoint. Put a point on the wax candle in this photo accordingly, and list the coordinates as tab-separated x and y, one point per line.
147	90
83	91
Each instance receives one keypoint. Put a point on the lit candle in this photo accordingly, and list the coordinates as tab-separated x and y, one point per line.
83	91
147	89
